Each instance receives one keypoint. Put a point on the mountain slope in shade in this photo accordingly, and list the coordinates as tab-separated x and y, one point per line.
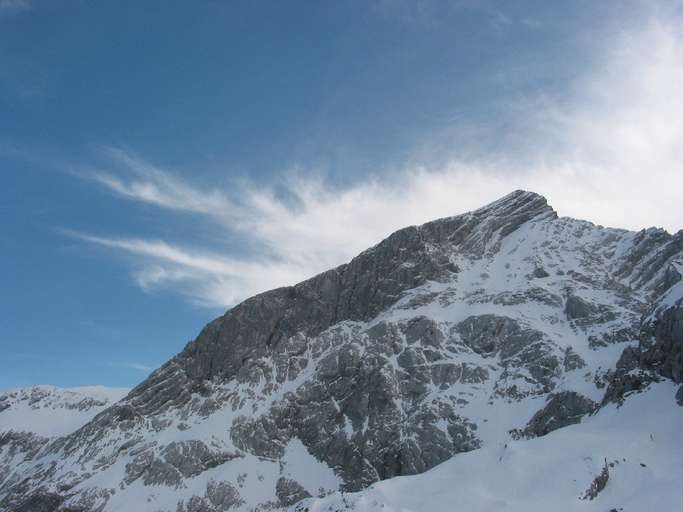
461	335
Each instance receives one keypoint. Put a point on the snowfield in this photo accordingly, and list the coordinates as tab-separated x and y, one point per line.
50	411
641	443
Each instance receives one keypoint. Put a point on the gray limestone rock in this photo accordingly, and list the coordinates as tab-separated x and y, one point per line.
659	354
424	330
40	502
628	377
290	492
176	461
561	409
572	360
360	392
219	497
530	362
598	484
576	308
662	343
540	273
193	457
490	334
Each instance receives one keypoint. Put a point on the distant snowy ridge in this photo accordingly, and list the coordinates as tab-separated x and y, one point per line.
52	411
445	342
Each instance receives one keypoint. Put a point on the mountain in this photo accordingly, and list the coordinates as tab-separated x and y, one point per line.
449	346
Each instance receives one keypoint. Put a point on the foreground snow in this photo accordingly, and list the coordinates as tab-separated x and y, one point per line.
641	442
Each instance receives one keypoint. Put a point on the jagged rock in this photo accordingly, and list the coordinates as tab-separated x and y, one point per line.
530	362
364	389
40	502
290	492
575	308
619	335
659	353
193	457
562	409
540	273
219	497
628	377
223	495
652	251
424	330
489	334
177	460
14	443
572	360
597	485
662	343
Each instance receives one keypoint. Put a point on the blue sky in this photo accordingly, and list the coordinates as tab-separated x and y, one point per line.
162	161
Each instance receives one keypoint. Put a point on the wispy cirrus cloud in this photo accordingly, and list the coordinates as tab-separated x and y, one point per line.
212	280
610	151
153	185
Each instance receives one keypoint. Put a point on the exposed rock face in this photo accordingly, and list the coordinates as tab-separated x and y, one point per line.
517	347
576	308
384	366
290	492
48	502
561	409
663	351
660	349
219	497
598	484
350	418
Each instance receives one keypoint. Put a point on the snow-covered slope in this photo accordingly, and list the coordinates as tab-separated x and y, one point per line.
462	335
32	417
51	411
638	447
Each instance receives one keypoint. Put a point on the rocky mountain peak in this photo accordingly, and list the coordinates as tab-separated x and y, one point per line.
359	290
471	331
519	202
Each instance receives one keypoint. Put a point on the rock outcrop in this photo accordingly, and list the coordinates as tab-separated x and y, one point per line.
562	409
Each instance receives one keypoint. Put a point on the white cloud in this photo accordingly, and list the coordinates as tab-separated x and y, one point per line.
155	186
620	157
611	153
209	279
